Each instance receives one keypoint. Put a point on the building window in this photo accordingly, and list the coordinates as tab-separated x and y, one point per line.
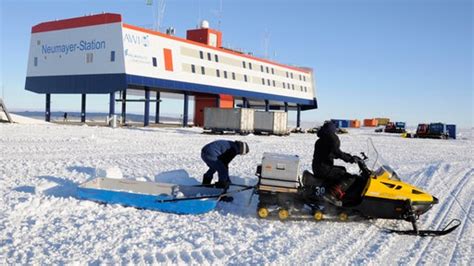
203	70
250	65
193	69
218	73
35	61
305	89
225	74
245	78
273	71
155	64
261	68
301	88
267	70
288	85
287	74
268	82
274	83
300	77
293	86
209	56
243	64
304	78
263	81
284	86
291	75
112	56
89	57
216	57
233	75
201	54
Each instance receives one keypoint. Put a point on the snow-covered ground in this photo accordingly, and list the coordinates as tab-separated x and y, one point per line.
42	222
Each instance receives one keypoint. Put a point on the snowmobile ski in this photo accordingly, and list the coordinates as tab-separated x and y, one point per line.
441	232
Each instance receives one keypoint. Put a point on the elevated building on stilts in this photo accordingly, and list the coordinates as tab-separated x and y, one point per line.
100	54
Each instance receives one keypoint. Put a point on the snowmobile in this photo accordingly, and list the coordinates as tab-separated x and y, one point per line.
378	194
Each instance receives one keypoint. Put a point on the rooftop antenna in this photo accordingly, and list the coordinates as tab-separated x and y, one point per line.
199	13
218	14
158	12
266	43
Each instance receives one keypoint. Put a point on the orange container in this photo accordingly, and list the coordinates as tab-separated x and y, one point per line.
370	122
382	121
355	123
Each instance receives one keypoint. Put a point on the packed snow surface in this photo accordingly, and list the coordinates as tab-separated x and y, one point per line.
43	222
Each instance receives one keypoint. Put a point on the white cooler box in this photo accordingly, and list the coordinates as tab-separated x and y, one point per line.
279	171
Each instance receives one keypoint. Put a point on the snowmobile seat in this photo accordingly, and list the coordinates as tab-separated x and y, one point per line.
309	180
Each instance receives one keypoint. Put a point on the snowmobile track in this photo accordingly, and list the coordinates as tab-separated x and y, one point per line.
440	216
463	230
383	237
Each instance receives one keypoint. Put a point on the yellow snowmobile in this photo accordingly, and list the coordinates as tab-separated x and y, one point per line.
376	194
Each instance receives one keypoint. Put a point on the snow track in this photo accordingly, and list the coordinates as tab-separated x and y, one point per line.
41	221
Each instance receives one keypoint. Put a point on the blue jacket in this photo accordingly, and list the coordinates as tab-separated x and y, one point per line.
223	150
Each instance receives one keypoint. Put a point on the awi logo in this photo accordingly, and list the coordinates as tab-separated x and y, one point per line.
142	40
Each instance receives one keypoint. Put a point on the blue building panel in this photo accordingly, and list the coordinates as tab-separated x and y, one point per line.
77	84
108	83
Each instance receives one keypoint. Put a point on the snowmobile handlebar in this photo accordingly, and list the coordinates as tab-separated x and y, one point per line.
365	171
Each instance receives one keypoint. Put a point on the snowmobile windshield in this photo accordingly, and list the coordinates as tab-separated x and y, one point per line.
377	163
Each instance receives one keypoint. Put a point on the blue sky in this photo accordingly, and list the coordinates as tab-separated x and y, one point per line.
410	60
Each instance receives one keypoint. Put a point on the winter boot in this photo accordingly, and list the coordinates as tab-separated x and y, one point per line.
206	180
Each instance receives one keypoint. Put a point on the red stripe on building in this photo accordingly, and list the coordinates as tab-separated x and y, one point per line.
77	22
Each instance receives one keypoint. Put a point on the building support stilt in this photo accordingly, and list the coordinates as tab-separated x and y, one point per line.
47	113
185	109
157	109
111	104
124	106
245	103
83	108
298	115
146	121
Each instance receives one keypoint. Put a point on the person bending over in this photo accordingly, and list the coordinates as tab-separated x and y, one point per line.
217	155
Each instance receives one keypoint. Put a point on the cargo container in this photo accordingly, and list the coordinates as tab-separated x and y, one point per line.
451	131
341	123
382	121
370	122
271	123
355	123
238	120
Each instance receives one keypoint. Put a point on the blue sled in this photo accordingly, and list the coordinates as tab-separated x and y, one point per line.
150	195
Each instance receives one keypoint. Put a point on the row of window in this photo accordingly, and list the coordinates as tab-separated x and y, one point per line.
249	65
90	58
209	56
268	83
218	73
285	85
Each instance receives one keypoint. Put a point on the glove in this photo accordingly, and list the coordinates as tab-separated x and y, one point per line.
355	159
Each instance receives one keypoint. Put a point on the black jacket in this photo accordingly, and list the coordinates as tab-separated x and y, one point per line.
326	149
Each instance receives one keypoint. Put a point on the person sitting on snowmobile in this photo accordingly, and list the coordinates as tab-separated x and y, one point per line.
326	149
217	155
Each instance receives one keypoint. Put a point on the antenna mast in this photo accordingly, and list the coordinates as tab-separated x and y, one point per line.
266	43
158	12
